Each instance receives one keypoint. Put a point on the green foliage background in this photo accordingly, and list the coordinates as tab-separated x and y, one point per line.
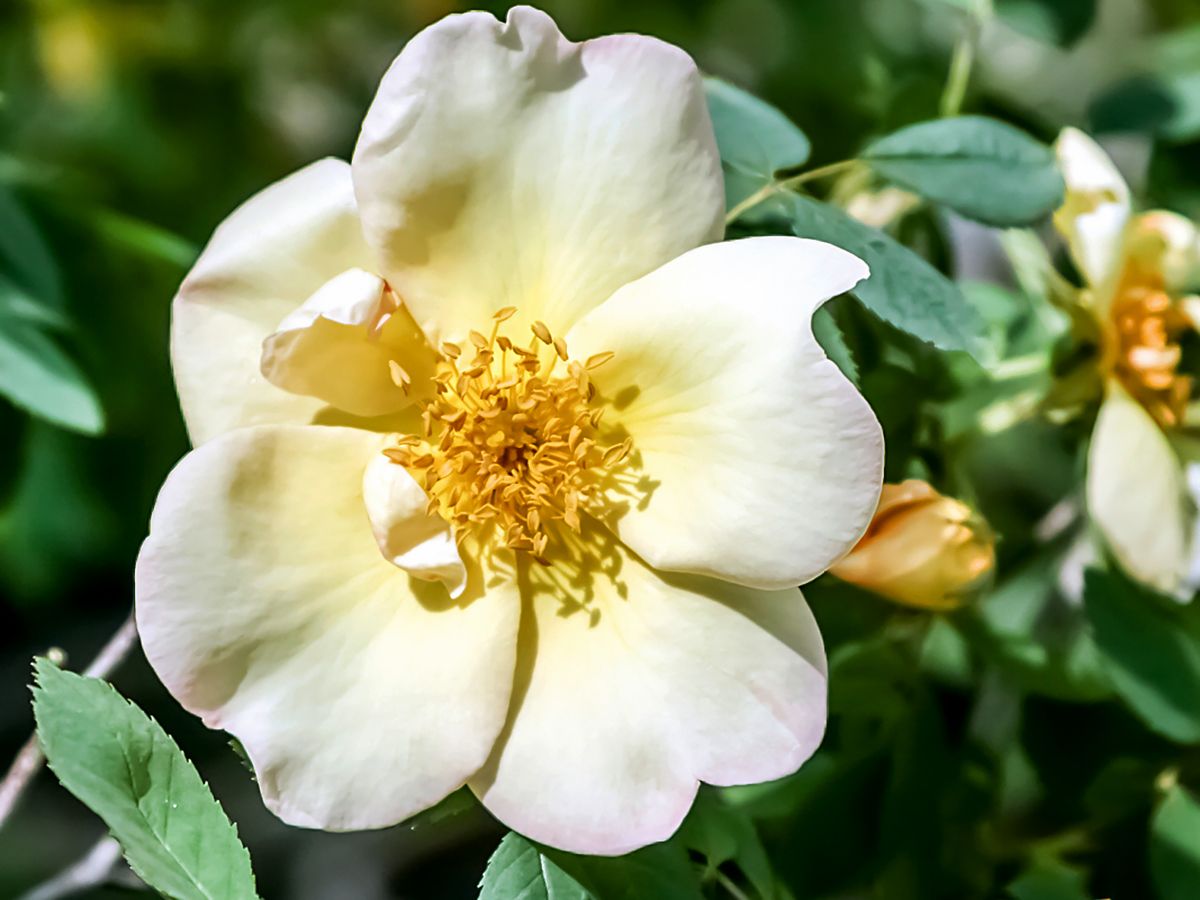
1026	747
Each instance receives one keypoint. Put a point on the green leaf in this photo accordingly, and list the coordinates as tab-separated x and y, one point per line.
833	342
24	256
903	288
983	168
1049	879
755	140
39	377
124	767
1167	105
1152	653
1059	22
518	870
722	833
523	870
1175	846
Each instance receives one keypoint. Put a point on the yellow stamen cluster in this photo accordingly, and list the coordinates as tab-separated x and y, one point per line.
508	442
1147	325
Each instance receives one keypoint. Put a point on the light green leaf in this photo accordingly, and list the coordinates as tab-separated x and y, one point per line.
1152	655
1175	846
983	168
903	288
518	870
1049	879
755	140
127	770
39	377
722	833
523	870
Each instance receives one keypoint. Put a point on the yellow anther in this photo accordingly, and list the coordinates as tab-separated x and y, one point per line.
596	360
400	378
504	313
512	445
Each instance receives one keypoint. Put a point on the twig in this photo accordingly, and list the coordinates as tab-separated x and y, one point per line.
93	870
29	758
784	184
726	882
963	60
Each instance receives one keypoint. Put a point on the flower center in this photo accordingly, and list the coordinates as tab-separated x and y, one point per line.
1147	326
510	439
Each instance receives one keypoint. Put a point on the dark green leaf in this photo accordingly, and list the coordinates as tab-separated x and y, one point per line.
121	763
523	870
1175	846
39	377
983	168
24	257
1060	22
903	288
1153	658
833	342
722	833
1167	105
755	139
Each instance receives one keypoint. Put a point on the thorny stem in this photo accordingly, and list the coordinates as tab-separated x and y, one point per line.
29	758
785	184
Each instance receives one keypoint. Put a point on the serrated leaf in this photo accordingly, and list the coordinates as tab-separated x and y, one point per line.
903	289
833	342
519	870
985	169
126	769
755	139
523	870
1175	846
38	376
1152	656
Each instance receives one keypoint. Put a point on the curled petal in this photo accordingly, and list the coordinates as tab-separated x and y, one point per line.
341	346
272	253
420	543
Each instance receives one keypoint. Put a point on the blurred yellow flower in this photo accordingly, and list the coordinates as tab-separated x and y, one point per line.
922	549
1134	269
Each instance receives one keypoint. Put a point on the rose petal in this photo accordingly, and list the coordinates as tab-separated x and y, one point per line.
632	688
502	165
1136	492
755	460
1095	212
361	695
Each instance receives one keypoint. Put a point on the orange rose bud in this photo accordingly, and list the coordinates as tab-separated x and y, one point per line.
922	549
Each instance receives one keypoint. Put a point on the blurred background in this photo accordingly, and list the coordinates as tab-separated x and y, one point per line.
130	128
